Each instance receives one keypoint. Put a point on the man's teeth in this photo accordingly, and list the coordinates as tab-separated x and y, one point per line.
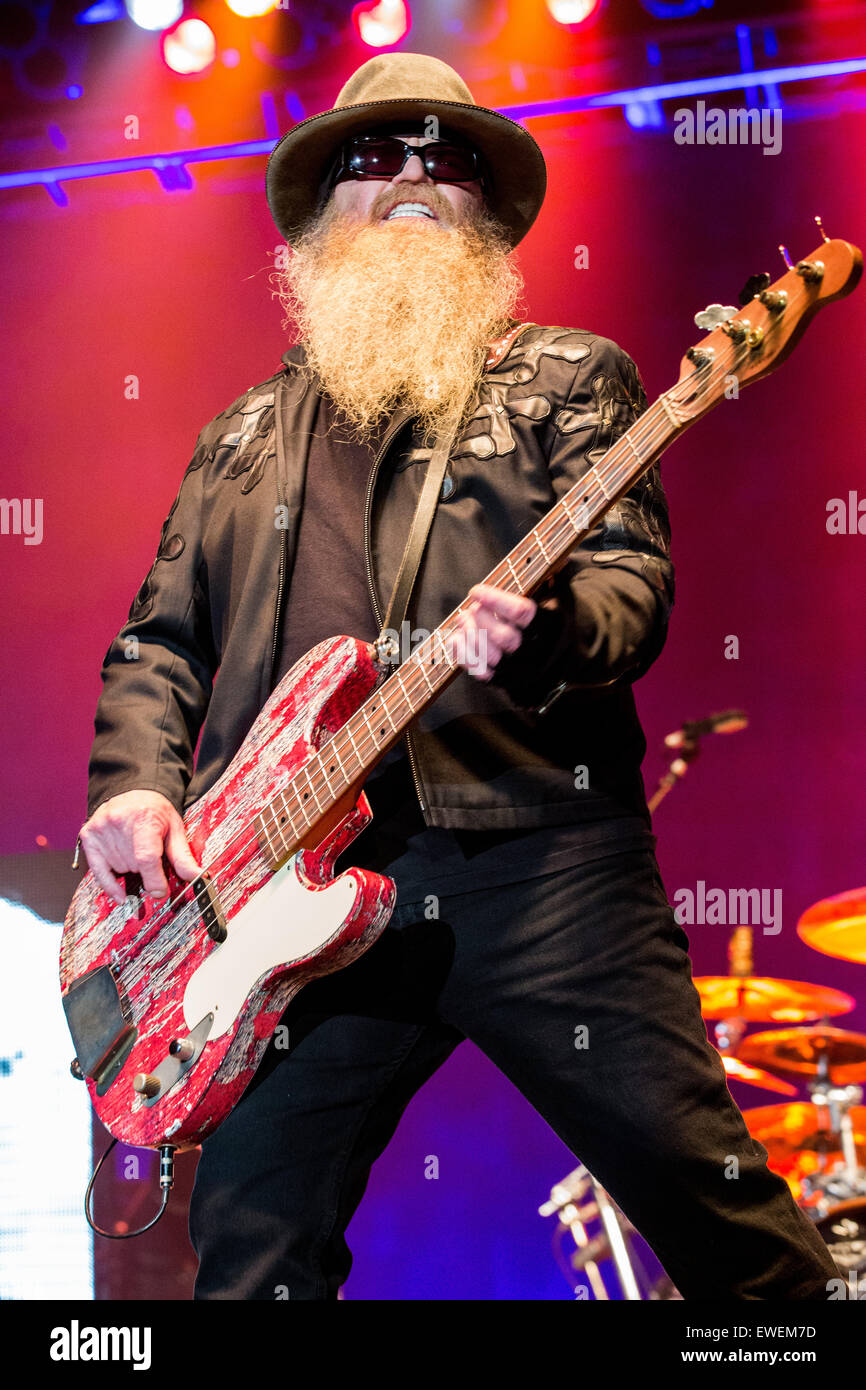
409	210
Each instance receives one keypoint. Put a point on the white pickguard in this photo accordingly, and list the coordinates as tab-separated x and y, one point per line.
283	922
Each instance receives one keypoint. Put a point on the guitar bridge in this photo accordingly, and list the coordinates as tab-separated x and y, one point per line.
101	1025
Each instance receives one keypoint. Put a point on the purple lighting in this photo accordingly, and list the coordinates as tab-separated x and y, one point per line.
695	87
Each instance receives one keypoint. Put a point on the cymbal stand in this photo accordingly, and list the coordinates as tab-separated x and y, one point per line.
581	1203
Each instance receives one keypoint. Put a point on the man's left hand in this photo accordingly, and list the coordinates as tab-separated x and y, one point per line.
491	625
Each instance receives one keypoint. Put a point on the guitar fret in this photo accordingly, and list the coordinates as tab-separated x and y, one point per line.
423	669
406	696
347	728
278	830
288	818
301	807
386	708
278	834
447	659
343	773
514	574
306	773
627	439
579	522
370	729
326	778
602	489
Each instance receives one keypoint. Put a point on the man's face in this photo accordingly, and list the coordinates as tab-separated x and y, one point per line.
371	200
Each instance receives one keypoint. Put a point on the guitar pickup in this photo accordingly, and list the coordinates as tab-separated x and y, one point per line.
210	908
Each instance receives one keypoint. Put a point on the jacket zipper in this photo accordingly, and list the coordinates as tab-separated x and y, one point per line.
371	482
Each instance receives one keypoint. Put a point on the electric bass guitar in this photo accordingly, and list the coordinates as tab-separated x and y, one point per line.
172	1002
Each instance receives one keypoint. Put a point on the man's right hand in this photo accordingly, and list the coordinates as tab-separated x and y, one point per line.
130	833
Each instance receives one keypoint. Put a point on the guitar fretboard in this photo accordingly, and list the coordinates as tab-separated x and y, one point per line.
384	716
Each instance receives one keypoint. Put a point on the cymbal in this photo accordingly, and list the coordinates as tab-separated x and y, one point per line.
754	1076
799	1127
799	1143
837	926
759	999
803	1050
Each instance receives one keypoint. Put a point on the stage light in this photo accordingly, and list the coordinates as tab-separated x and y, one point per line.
251	9
644	115
154	14
382	24
189	47
573	11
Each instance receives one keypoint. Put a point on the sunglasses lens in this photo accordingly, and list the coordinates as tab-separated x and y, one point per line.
450	162
382	159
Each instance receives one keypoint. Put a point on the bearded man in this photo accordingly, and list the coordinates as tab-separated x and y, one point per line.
512	817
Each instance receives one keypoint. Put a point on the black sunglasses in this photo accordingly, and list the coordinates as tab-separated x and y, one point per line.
383	156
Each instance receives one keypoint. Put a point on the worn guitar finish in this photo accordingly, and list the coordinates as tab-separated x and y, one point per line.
171	1004
283	927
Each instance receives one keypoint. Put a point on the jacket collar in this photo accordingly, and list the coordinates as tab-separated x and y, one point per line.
296	356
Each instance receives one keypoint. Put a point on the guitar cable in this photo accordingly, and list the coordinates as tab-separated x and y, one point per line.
166	1183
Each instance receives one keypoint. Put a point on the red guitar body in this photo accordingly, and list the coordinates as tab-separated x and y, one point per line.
153	996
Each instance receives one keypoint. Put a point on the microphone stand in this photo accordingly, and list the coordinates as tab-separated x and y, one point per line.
687	742
675	773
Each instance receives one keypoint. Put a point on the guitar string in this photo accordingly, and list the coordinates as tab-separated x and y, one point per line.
189	914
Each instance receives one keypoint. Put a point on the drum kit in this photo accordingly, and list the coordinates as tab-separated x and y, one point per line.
818	1146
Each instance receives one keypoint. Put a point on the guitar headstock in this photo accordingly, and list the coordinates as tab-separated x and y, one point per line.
751	342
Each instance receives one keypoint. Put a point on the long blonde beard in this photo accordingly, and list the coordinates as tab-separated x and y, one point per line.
399	313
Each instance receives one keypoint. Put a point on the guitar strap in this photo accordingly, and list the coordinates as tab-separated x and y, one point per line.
387	646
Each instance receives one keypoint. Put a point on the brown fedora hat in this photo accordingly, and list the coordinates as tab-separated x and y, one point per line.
406	87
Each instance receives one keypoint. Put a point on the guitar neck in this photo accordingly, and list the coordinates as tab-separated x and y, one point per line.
380	722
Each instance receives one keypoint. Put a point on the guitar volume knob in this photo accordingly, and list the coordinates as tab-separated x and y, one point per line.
146	1084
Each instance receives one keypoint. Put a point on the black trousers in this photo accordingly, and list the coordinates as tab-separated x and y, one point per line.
518	970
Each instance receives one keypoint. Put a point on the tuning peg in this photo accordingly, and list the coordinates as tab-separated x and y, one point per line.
754	285
821	228
714	314
783	252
